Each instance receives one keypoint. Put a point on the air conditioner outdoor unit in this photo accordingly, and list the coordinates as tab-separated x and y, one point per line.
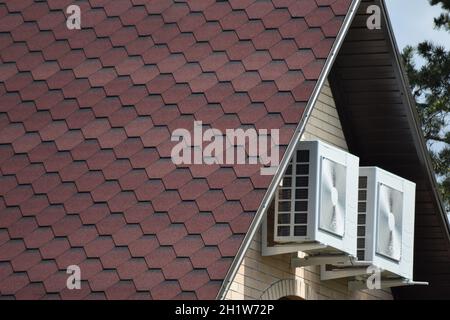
385	236
386	221
315	206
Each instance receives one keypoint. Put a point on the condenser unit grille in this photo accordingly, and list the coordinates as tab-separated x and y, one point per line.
362	217
291	208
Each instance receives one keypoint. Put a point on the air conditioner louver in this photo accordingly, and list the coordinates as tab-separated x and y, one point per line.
332	201
362	210
292	199
389	228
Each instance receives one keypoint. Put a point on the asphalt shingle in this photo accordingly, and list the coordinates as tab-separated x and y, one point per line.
85	123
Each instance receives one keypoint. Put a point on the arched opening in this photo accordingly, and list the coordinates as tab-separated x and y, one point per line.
291	298
289	289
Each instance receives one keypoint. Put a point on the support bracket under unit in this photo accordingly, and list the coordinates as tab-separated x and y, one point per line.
321	259
385	283
339	273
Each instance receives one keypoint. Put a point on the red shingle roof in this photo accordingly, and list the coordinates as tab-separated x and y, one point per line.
85	123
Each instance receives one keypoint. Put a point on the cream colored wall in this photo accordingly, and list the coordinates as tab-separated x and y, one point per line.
324	124
257	273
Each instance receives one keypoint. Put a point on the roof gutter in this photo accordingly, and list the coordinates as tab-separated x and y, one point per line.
289	152
424	155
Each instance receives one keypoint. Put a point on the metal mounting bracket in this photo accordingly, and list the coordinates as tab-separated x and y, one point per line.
338	273
384	284
321	259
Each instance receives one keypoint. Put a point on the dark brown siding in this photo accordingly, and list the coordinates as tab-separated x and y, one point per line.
380	128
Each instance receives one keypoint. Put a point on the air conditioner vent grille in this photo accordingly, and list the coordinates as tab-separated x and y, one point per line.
292	198
362	212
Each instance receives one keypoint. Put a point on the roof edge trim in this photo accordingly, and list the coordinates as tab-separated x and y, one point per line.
289	151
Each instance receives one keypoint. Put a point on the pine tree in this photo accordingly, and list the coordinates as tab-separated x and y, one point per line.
430	85
443	21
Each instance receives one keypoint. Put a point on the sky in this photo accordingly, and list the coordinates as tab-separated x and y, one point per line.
412	21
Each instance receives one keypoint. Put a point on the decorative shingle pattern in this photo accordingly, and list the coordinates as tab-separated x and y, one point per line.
85	123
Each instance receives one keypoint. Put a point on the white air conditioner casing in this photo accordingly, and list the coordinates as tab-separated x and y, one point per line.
315	205
386	221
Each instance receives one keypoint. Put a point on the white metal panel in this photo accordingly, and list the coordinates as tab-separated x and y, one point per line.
402	264
346	242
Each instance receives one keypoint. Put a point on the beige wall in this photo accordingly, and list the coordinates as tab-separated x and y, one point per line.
324	124
272	277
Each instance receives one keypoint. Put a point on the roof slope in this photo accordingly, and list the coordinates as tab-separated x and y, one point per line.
85	123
